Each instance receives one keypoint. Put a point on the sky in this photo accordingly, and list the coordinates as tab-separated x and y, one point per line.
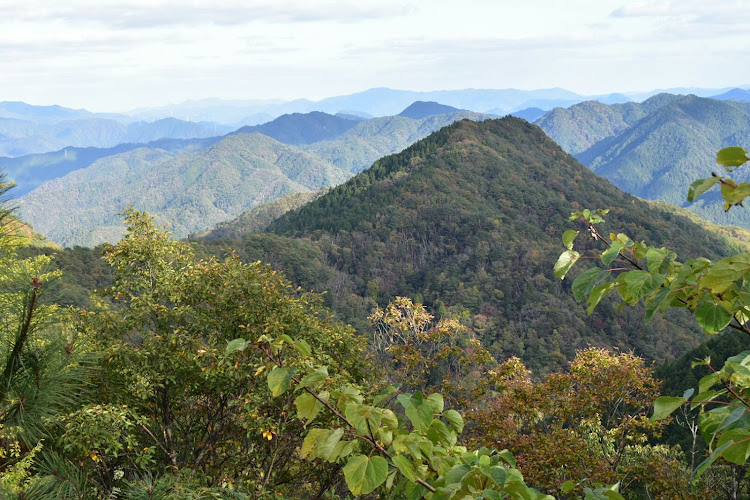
119	55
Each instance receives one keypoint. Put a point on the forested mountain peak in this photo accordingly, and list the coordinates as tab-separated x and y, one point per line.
469	219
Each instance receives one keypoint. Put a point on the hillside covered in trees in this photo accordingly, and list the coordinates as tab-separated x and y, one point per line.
195	353
467	221
655	149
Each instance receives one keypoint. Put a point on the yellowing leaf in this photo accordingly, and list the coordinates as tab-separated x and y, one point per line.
364	474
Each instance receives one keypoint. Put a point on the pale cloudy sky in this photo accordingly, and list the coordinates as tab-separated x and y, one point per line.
117	55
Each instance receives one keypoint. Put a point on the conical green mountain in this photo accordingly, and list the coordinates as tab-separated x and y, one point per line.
469	221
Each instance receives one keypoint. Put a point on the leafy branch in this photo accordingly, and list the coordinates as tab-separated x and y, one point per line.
717	293
418	455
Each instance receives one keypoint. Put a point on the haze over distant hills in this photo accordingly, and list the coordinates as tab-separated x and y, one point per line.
422	109
601	135
298	128
741	95
582	125
27	129
195	188
389	102
19	137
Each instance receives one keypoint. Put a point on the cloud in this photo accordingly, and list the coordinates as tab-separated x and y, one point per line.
140	14
644	9
696	12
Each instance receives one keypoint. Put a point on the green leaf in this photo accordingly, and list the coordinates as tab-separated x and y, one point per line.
405	400
315	379
455	419
328	445
565	262
700	186
405	467
342	449
740	374
436	402
518	489
569	237
597	294
585	282
421	416
734	193
665	405
726	272
731	157
712	317
654	302
457	474
279	379
491	495
733	417
364	474
236	345
703	398
611	253
508	457
707	382
497	474
739	451
568	486
440	434
658	259
711	459
639	284
742	358
308	407
302	347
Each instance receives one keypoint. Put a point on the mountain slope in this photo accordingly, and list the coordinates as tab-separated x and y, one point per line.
741	95
29	171
192	191
529	114
300	128
659	156
24	137
421	109
470	220
260	217
359	147
582	125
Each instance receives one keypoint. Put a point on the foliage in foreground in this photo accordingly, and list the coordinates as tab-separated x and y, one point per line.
717	293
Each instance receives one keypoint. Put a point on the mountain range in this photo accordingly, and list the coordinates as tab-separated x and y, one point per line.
655	149
651	149
468	221
22	137
196	184
388	102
